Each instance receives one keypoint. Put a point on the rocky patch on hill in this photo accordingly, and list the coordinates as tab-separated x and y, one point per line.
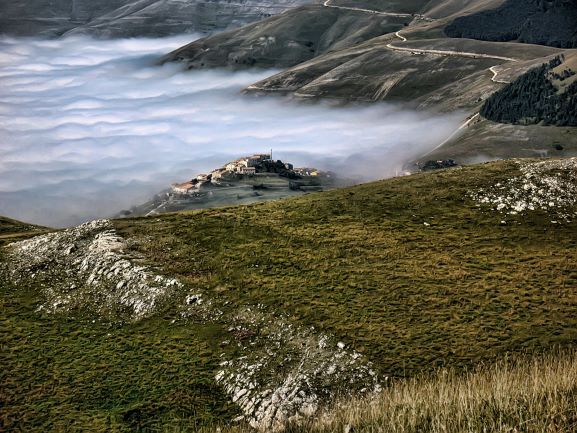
86	268
547	186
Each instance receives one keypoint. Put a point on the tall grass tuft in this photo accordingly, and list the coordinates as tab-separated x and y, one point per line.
523	395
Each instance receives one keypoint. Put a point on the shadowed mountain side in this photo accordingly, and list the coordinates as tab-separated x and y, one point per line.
50	17
167	17
531	21
133	18
287	39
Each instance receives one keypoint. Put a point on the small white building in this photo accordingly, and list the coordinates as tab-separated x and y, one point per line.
250	171
217	174
231	166
183	188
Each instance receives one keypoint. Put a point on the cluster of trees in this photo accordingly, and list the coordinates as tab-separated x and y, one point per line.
532	99
545	22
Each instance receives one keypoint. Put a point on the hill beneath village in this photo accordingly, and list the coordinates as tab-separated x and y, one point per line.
189	320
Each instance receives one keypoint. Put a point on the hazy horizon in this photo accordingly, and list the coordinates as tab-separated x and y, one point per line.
91	127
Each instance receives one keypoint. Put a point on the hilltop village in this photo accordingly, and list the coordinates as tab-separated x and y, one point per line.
254	168
246	180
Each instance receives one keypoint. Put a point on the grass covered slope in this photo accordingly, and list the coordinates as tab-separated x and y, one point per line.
12	230
408	271
285	40
413	273
78	372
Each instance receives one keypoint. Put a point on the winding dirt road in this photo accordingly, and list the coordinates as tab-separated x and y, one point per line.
422	51
328	4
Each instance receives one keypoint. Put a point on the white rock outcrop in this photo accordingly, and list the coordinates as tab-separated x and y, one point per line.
280	372
87	268
286	373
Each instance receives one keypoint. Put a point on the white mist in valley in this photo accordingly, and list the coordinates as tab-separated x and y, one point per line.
89	127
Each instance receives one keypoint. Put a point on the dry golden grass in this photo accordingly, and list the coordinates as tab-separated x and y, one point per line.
538	395
526	395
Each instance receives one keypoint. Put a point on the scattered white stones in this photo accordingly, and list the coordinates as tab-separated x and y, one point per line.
86	268
549	186
287	372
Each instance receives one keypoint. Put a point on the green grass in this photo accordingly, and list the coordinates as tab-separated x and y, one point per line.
70	374
359	263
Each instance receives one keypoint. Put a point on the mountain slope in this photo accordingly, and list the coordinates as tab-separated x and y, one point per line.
416	65
132	18
545	94
12	230
285	40
440	269
530	21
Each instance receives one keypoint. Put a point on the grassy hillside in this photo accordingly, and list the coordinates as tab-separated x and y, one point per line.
410	272
12	230
285	40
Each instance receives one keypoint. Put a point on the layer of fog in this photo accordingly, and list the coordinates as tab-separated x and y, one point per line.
88	128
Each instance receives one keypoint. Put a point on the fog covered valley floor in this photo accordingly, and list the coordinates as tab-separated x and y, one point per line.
89	128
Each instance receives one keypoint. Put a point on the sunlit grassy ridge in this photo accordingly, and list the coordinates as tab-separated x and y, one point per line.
408	271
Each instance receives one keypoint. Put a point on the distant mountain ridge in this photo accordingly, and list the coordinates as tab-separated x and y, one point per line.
132	18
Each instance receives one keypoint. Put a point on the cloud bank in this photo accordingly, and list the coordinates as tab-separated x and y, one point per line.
88	127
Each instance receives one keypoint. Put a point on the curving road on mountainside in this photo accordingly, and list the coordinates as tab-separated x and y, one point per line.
423	51
328	4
